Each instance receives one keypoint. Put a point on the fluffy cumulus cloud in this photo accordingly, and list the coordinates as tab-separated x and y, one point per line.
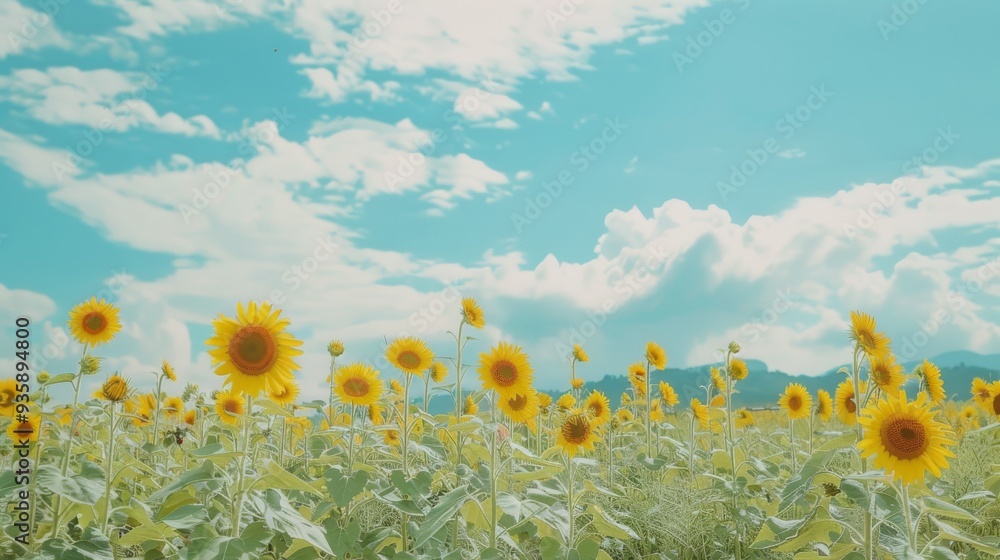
24	29
104	99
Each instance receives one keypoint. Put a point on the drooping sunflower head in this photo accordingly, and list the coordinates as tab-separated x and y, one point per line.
470	408
626	399
981	393
579	355
190	417
796	401
94	322
439	372
598	407
115	389
173	407
472	313
505	369
887	374
824	405
969	417
656	355
576	383
168	371
375	415
335	348
8	394
357	384
284	393
544	400
520	408
874	344
744	418
566	401
738	369
933	383
410	355
846	403
230	406
637	371
25	427
717	381
700	412
655	411
576	434
396	387
904	437
638	387
253	351
668	394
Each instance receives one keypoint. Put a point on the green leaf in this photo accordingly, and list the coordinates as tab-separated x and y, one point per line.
800	484
278	478
989	545
202	473
440	514
84	488
186	517
588	550
341	540
551	548
945	509
609	527
61	378
342	488
280	516
93	546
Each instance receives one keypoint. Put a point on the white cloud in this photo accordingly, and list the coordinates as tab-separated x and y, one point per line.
338	87
24	29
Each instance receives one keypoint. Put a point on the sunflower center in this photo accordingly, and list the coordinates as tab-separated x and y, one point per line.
518	403
232	406
253	350
794	402
504	373
94	322
904	437
576	430
356	387
6	397
409	359
849	405
597	408
996	405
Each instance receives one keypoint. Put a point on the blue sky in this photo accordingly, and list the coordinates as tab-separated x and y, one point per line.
119	116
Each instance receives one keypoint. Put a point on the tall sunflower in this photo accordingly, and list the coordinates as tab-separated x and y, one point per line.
576	434
284	393
717	381
796	400
358	384
845	402
505	370
472	313
668	394
168	370
598	407
656	355
470	407
253	351
439	372
579	354
904	437
824	405
520	408
932	381
410	355
576	383
874	344
738	369
887	374
94	322
229	406
701	412
566	401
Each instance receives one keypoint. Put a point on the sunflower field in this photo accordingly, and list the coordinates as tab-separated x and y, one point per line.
256	471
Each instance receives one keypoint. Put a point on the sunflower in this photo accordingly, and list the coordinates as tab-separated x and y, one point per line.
285	393
700	412
358	384
718	401
391	437
229	406
994	404
576	434
94	322
846	405
887	374
639	387
717	381
824	405
626	400
598	407
375	415
738	369
980	393
576	383
396	387
8	394
335	348
637	371
655	412
141	411
566	402
520	408
115	389
969	417
624	415
505	370
168	370
932	381
410	355
744	418
668	394
173	407
439	372
656	355
796	401
472	313
544	400
190	416
905	438
25	428
64	415
470	408
253	350
579	355
862	332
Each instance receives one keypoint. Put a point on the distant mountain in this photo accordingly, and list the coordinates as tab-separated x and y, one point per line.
762	386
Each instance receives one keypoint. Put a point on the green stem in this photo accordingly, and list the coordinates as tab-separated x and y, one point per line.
281	442
691	456
493	473
57	508
156	413
427	389
791	444
910	529
571	508
329	408
238	508
649	431
350	446
732	452
110	467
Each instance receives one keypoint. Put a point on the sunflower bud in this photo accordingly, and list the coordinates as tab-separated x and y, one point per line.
734	348
335	348
43	377
89	365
